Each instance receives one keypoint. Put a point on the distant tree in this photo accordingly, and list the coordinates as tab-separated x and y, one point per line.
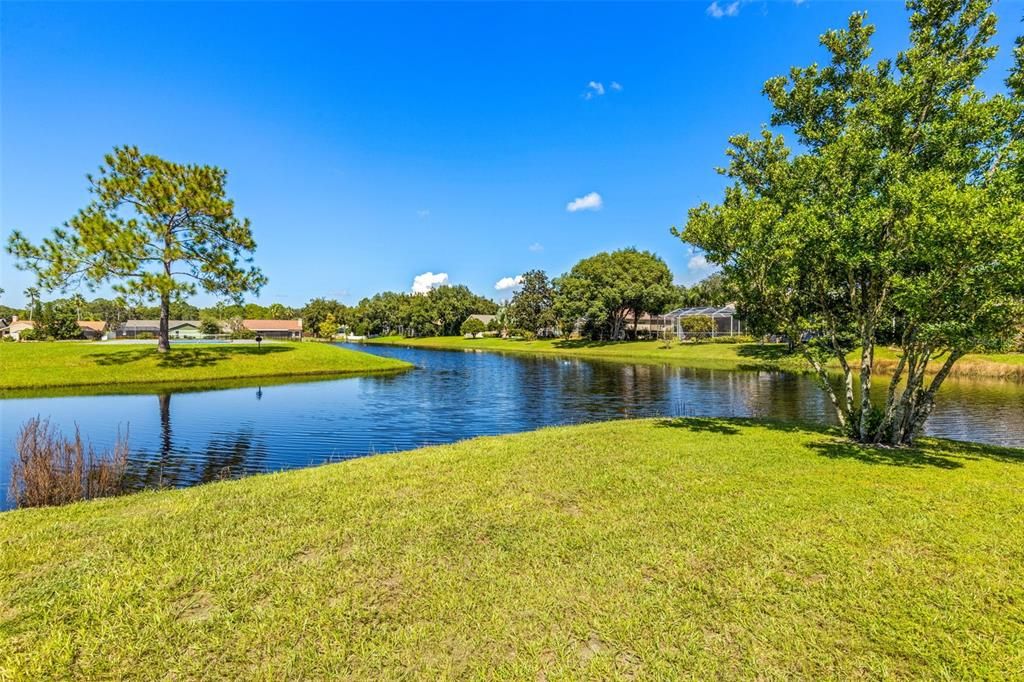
712	291
450	305
156	228
328	327
532	305
32	297
317	310
603	291
905	203
472	326
209	326
59	320
278	311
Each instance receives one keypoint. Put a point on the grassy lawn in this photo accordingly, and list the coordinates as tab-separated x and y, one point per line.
655	549
47	365
705	355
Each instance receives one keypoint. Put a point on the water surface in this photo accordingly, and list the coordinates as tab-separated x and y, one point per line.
181	438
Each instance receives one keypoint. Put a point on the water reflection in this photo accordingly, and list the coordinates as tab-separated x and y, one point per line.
181	438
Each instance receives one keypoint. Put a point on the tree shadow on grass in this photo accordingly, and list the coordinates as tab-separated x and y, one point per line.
765	352
185	358
934	452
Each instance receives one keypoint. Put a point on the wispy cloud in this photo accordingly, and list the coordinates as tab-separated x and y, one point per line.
597	89
725	9
506	283
536	247
421	284
587	202
423	213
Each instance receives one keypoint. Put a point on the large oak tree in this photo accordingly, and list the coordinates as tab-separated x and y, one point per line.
154	228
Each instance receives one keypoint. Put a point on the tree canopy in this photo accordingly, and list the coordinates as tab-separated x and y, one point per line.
157	229
602	291
902	210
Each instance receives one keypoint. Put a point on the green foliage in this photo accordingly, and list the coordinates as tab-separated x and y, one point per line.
315	312
601	291
58	321
472	326
328	327
209	327
905	202
157	229
697	324
30	334
532	306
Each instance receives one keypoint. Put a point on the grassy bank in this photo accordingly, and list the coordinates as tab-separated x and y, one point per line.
706	355
651	549
113	366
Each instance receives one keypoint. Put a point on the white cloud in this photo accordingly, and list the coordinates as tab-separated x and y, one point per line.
421	284
423	213
587	202
728	9
597	89
699	265
506	283
536	247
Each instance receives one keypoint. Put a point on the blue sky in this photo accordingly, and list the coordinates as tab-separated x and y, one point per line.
371	143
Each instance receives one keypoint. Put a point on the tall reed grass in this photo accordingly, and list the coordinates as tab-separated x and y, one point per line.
51	469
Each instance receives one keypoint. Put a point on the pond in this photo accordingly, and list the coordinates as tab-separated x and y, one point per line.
181	438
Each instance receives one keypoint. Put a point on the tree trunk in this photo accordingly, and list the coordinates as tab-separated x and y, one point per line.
867	360
163	343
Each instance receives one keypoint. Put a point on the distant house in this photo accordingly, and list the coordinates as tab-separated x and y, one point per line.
486	319
177	329
275	329
15	327
92	329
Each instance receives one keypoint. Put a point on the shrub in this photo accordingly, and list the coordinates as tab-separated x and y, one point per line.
51	469
697	324
472	326
30	335
522	334
210	327
727	339
243	333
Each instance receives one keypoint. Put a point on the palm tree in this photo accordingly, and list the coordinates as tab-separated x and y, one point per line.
79	302
32	294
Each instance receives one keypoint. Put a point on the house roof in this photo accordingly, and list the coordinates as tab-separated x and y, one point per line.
18	325
95	325
708	311
486	319
273	325
155	324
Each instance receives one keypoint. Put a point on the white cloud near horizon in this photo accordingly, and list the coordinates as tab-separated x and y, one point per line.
616	86
727	9
587	202
422	284
506	283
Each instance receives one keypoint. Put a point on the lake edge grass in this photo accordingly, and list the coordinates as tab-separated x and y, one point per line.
730	356
37	366
629	548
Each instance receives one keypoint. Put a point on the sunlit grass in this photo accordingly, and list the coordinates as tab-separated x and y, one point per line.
709	355
113	366
653	549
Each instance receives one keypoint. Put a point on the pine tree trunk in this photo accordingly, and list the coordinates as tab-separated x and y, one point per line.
163	343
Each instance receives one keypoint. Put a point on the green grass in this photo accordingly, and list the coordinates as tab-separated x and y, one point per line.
704	355
772	356
696	548
111	367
